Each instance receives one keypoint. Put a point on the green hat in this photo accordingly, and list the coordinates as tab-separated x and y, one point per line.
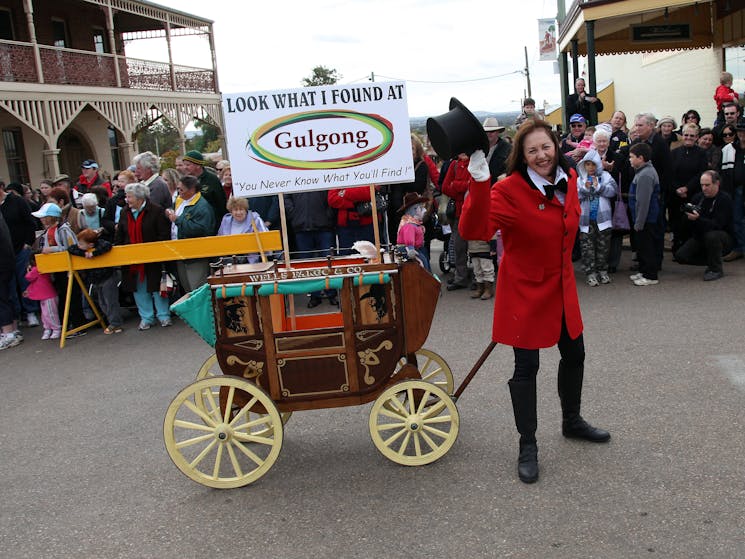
195	157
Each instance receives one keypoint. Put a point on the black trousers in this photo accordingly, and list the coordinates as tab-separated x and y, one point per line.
572	356
647	249
706	251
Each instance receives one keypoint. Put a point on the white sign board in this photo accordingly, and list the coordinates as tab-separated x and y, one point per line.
318	138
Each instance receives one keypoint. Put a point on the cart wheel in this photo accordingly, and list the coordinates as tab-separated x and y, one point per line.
222	450
433	368
445	266
414	423
211	368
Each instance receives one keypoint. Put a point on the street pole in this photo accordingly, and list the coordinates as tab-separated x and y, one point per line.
527	72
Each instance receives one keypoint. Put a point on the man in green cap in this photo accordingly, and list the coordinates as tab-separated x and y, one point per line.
211	188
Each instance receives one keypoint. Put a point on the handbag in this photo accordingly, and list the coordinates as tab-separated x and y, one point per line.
364	209
620	219
450	210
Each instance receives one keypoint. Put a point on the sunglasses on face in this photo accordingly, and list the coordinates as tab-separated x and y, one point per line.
576	125
730	114
728	134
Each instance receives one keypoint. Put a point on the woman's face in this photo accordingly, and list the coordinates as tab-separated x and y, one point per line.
691	117
539	153
689	138
666	128
45	190
705	141
239	214
227	177
601	144
618	121
184	192
728	134
133	201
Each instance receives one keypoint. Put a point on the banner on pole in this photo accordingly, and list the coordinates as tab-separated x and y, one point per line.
318	138
547	39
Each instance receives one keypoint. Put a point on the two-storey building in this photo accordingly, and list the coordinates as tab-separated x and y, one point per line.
68	92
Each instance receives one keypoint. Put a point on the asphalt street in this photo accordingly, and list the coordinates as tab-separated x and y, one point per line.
85	473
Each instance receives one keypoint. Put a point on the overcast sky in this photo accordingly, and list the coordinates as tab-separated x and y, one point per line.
273	45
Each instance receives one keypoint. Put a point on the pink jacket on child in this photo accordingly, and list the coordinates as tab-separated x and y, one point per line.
40	285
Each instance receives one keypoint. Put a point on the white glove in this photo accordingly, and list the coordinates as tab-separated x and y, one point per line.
477	166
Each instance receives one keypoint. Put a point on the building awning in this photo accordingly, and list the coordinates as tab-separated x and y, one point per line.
625	26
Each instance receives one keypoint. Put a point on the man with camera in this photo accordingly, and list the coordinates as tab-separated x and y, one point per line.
710	217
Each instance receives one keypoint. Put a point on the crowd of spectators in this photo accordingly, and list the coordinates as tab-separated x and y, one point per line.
685	184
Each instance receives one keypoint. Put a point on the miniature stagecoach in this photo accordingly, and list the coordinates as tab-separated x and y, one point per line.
225	429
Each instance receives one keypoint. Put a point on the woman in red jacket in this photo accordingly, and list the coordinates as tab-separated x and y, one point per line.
536	306
350	226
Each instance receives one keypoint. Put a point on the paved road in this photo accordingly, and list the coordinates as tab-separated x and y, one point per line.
85	473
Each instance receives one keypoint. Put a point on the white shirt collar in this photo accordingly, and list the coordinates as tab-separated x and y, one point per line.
540	181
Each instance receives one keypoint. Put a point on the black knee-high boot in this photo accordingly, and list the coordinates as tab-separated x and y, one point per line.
570	393
523	393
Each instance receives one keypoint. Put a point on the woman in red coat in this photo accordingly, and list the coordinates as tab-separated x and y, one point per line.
536	306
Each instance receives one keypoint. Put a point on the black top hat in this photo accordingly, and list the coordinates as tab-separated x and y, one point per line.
456	131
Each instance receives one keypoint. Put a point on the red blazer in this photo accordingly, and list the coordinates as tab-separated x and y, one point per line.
536	285
344	201
456	183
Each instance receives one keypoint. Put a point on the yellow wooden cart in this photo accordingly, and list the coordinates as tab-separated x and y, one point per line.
225	429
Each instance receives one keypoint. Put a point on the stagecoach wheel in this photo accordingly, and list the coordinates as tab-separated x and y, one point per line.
433	368
211	368
223	450
414	423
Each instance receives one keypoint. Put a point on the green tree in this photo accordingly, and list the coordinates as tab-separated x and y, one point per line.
159	138
207	135
322	76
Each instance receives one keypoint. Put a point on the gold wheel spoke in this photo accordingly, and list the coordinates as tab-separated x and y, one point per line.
427	363
262	420
251	454
429	441
434	410
193	426
434	373
195	440
438	419
437	432
417	445
404	444
247	438
388	426
212	403
209	420
392	414
423	401
244	410
393	438
234	460
218	462
229	404
410	394
202	454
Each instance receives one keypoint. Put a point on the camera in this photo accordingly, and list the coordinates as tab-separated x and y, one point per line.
691	208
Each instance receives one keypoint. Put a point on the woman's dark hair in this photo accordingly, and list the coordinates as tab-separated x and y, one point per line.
516	160
705	131
691	112
191	182
731	128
